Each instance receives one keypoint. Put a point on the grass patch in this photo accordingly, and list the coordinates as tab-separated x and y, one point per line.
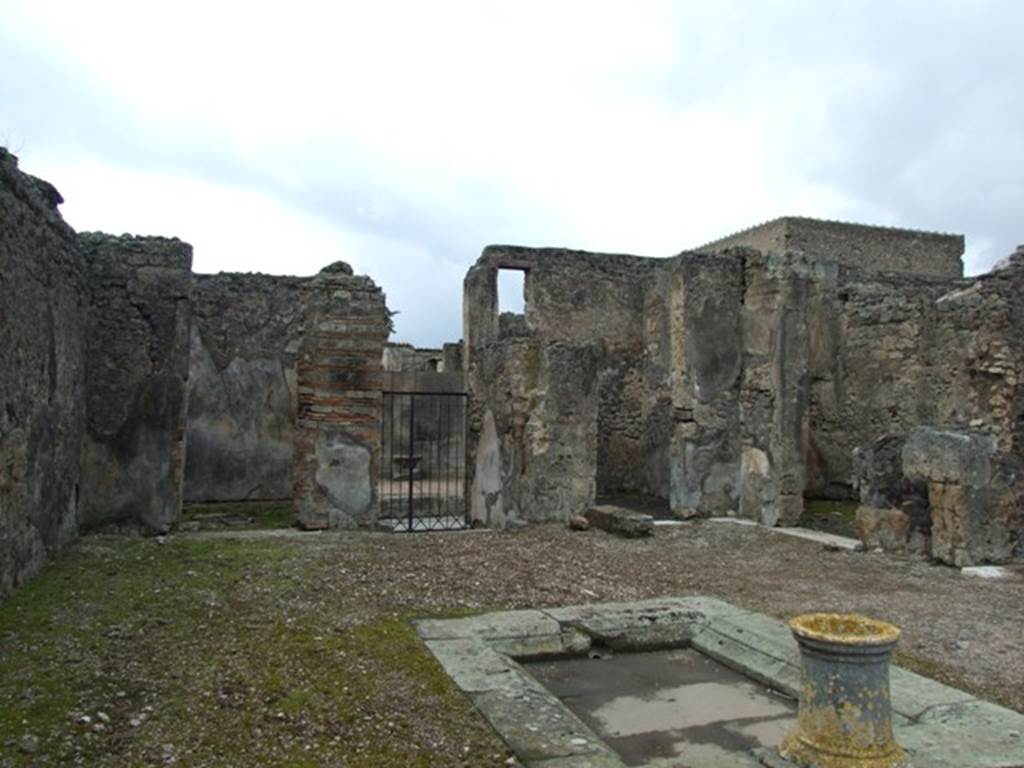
239	515
830	516
227	652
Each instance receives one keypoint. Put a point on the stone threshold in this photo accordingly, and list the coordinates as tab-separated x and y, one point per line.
940	726
828	539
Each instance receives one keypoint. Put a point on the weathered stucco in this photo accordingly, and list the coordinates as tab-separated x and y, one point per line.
137	367
242	389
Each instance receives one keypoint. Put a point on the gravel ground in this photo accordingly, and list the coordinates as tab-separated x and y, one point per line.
282	648
969	628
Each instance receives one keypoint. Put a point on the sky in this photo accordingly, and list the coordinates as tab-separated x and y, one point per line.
403	137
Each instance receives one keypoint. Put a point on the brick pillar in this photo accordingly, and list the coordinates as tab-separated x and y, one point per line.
337	434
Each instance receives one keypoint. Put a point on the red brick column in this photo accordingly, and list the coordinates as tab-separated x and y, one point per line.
337	435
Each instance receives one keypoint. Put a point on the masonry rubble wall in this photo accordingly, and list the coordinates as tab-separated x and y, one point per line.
732	383
339	371
561	393
975	494
243	394
43	306
707	365
137	369
859	246
873	368
979	358
407	358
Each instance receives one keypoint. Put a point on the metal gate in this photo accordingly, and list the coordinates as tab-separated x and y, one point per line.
423	461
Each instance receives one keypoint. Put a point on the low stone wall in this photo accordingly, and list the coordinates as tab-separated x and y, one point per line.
43	305
137	367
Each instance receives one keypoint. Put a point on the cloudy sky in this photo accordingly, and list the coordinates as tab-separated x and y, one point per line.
402	137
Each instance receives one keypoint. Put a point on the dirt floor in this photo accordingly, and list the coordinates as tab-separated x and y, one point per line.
277	648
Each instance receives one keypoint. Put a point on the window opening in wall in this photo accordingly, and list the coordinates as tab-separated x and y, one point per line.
512	290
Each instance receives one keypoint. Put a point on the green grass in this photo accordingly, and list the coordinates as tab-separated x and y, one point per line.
830	516
259	515
233	652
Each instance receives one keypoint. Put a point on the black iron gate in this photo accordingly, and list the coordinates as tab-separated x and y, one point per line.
423	461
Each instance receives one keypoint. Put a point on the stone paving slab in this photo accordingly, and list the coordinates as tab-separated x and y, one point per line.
913	694
476	667
537	726
753	662
580	761
504	624
940	726
971	733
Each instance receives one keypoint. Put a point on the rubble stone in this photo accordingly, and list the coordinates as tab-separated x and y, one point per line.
886	529
974	493
621	522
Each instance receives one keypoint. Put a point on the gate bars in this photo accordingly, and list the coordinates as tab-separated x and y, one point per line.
423	464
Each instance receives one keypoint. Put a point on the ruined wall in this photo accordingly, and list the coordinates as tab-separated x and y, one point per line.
43	301
979	355
453	361
707	359
137	367
243	394
338	423
406	357
868	248
246	342
740	373
872	368
561	394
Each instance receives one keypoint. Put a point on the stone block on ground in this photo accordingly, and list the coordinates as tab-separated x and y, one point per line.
621	522
948	456
887	529
973	494
579	523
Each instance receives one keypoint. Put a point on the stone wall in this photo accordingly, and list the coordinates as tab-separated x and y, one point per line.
43	304
246	334
707	363
137	367
246	344
872	367
978	337
565	403
338	423
733	383
406	357
868	248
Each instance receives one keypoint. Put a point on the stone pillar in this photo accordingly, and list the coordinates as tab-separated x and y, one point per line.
133	458
340	375
706	363
774	393
479	309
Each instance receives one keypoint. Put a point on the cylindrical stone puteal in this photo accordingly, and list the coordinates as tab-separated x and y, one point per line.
845	713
